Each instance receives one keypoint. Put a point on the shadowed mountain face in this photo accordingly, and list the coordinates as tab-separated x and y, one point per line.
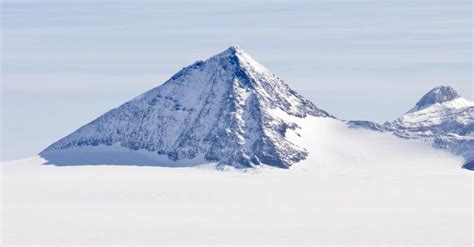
220	110
441	117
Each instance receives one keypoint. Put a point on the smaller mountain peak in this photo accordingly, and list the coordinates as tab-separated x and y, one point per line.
439	94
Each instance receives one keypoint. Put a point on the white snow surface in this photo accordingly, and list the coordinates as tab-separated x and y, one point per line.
356	187
216	109
448	125
458	109
441	118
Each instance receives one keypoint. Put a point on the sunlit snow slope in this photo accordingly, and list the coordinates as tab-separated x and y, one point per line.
110	182
356	187
216	110
441	118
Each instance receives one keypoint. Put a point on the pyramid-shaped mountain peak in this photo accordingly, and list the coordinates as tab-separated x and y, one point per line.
218	110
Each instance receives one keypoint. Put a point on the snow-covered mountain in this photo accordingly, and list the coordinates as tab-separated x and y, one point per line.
219	110
231	110
441	117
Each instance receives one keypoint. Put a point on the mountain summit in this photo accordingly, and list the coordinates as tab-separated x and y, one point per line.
436	95
441	118
226	109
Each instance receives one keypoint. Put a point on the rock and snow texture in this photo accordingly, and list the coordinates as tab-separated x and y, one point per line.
354	186
437	95
441	117
230	110
218	110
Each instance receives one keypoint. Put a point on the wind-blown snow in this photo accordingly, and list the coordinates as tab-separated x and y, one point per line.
338	147
356	187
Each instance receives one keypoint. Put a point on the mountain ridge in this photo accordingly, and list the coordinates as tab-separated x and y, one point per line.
442	118
230	110
219	108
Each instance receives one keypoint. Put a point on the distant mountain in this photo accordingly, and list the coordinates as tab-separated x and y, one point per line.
441	117
437	95
219	110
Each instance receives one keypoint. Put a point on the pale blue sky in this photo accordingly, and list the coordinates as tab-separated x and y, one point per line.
65	62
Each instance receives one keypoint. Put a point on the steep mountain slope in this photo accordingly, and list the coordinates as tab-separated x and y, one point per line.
218	110
441	117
